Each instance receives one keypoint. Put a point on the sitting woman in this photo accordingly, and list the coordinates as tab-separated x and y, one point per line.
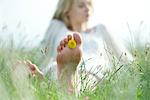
94	47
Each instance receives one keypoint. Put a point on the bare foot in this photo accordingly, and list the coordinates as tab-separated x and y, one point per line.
68	59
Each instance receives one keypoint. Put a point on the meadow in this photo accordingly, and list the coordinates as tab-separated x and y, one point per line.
124	82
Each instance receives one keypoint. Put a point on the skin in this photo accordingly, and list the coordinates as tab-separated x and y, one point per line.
67	58
79	14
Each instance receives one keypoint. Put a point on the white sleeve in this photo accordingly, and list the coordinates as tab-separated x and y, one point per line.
52	69
114	45
54	34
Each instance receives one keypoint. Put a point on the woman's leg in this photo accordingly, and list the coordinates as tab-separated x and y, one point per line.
68	59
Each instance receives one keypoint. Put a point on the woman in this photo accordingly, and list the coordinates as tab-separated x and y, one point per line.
96	43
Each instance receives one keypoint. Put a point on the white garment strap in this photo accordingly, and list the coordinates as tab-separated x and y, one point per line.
51	66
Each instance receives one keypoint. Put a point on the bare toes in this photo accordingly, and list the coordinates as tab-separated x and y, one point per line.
62	43
59	48
77	38
69	37
65	41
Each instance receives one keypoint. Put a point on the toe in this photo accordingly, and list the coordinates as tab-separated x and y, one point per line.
65	41
59	48
62	43
69	37
77	37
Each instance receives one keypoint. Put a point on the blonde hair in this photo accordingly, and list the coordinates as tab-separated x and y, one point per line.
61	12
62	9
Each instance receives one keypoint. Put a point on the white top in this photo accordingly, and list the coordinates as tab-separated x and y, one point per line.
98	47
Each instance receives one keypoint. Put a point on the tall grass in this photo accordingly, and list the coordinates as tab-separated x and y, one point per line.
125	82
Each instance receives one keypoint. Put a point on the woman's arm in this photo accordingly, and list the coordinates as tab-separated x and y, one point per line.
115	46
56	31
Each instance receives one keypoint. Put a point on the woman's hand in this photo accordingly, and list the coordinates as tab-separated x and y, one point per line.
33	68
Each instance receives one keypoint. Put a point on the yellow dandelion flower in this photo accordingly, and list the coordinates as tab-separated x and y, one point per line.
72	43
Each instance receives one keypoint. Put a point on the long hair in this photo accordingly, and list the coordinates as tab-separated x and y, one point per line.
62	9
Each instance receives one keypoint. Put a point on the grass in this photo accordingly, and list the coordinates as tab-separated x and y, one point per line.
124	82
127	82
